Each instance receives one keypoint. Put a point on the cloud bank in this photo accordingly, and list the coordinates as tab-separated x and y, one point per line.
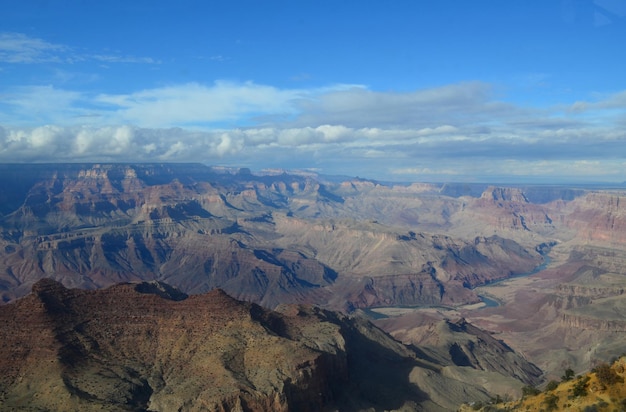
453	132
449	133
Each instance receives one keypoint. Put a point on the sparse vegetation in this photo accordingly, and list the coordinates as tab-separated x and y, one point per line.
606	375
580	387
600	390
551	402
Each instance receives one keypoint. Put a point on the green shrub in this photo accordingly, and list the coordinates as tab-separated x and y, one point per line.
568	375
552	402
530	391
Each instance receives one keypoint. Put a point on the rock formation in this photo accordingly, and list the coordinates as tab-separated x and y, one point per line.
269	239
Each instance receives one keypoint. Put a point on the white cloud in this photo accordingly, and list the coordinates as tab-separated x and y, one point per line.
229	145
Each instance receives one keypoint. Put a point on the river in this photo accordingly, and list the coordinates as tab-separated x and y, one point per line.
490	302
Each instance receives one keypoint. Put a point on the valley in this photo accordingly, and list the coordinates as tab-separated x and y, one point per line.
416	260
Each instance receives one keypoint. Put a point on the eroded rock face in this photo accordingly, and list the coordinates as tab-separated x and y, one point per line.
267	239
498	194
509	209
598	217
131	347
280	238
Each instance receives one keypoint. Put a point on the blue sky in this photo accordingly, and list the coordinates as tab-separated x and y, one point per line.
405	90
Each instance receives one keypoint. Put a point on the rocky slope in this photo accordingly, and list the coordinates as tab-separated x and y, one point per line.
463	344
146	346
601	389
345	244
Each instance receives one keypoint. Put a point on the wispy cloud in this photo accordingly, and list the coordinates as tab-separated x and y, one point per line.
40	105
197	104
18	48
222	104
112	58
218	58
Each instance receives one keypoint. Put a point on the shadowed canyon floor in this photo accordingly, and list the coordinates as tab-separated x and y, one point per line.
417	255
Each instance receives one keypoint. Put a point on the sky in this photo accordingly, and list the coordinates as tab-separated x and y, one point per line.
529	91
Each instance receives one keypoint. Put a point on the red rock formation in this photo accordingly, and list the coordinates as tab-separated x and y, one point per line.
598	217
509	208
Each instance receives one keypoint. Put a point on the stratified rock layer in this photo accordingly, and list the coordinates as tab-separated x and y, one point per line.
267	239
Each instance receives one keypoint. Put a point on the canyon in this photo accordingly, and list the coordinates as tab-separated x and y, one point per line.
409	261
147	346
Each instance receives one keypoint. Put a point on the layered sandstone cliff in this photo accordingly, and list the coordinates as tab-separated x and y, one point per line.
267	239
